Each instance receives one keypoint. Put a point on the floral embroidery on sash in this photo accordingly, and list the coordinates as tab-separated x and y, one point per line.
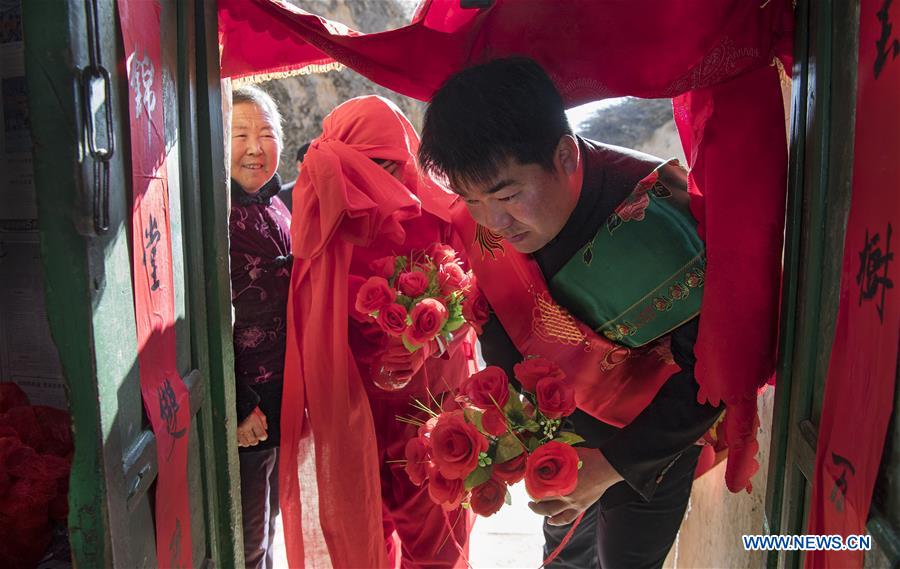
634	206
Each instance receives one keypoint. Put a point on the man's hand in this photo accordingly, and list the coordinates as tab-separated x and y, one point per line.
594	478
253	429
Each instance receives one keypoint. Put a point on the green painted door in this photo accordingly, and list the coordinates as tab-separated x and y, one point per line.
84	204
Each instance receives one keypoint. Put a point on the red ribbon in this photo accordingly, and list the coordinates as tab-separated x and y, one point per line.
166	398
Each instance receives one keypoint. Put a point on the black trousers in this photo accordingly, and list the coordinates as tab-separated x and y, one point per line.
259	503
632	535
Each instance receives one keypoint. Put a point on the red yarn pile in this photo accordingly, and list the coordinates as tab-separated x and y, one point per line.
35	457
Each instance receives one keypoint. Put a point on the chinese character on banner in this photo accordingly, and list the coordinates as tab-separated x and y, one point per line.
168	413
872	277
151	236
839	491
142	84
887	43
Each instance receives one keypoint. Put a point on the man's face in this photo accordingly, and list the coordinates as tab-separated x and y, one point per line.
254	147
524	203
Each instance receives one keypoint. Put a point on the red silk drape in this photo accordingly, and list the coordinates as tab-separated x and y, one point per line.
716	56
345	200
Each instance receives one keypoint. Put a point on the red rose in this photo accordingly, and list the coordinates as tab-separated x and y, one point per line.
493	422
551	470
384	267
412	283
417	461
392	319
555	397
428	317
488	498
476	309
374	294
447	492
452	278
531	370
441	253
487	388
511	471
455	445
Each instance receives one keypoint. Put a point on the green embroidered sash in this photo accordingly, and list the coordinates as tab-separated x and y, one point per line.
642	274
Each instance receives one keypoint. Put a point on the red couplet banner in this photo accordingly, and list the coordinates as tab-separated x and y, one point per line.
166	399
859	393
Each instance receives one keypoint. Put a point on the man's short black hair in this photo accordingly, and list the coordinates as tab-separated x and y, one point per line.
301	152
489	113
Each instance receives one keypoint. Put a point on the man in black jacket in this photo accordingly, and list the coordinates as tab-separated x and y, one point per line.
499	133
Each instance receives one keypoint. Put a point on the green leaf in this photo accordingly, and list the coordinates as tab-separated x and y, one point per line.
399	264
508	448
454	306
477	477
411	347
474	417
569	438
532	426
532	443
453	324
508	498
406	302
513	407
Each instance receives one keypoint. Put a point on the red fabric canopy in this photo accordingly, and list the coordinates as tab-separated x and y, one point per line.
714	58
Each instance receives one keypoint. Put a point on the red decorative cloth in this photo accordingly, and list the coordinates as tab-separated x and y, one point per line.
862	371
732	124
346	202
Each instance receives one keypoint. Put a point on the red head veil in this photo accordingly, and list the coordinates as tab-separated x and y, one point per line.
343	199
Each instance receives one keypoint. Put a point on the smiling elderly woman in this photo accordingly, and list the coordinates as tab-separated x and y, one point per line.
260	275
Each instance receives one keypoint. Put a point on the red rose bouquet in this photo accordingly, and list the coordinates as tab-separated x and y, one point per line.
497	437
422	298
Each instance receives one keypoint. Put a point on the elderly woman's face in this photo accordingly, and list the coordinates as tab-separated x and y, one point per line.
255	147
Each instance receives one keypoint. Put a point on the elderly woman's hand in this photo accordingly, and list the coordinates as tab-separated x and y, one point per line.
253	429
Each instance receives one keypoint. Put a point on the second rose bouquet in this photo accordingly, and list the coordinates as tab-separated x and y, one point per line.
491	436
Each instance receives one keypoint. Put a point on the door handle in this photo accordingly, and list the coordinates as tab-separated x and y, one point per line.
97	102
